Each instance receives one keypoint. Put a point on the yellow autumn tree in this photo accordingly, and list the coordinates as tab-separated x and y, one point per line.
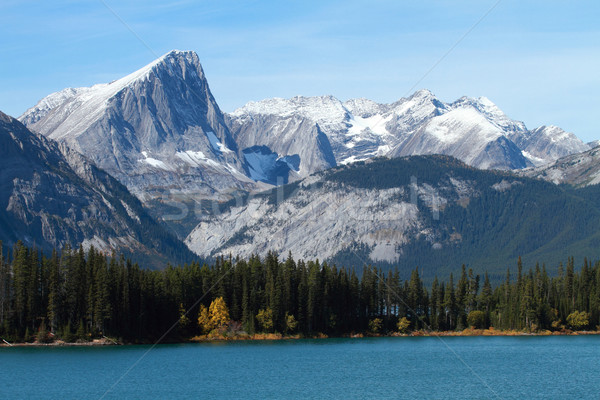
204	320
265	319
215	317
290	322
375	325
578	320
219	313
403	325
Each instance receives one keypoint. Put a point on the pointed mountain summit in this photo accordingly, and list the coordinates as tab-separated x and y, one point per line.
158	130
51	196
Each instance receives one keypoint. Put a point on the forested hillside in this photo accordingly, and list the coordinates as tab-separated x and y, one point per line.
433	212
503	218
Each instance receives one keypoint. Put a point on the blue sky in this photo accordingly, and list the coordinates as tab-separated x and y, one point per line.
539	61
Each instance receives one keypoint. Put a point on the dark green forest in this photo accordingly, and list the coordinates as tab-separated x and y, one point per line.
77	295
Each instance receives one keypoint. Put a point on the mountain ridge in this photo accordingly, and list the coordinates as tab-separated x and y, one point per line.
158	121
419	124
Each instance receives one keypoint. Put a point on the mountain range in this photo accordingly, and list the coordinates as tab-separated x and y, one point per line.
475	131
266	176
160	132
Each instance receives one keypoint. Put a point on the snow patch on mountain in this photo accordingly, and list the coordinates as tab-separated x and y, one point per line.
193	158
352	160
375	124
216	143
155	163
534	160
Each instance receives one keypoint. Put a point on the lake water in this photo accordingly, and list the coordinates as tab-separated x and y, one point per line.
371	368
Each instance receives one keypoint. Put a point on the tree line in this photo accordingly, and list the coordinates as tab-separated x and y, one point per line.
75	294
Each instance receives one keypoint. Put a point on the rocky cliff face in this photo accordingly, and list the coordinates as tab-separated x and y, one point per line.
300	138
157	130
51	196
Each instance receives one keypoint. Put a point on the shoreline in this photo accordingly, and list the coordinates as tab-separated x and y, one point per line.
276	336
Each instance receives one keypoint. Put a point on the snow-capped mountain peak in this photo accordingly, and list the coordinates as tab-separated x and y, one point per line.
157	129
491	112
87	104
554	133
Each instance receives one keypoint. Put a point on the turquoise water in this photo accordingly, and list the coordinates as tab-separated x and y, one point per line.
377	368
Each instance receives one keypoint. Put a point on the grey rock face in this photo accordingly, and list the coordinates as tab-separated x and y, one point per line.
157	130
546	144
51	196
286	136
317	221
322	216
